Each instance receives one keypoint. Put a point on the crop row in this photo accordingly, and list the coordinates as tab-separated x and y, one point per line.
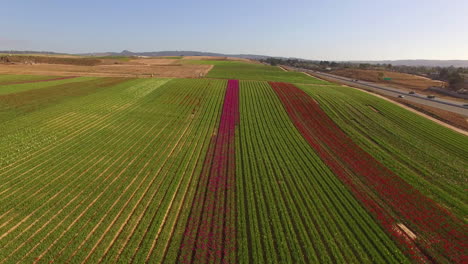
210	235
424	229
41	80
19	84
428	156
117	185
259	72
13	78
291	207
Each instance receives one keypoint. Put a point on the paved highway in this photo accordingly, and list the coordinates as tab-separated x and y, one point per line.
445	104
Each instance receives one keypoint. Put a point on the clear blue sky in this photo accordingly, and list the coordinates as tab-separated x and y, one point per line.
326	29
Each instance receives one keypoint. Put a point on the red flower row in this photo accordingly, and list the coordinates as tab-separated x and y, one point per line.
210	232
424	229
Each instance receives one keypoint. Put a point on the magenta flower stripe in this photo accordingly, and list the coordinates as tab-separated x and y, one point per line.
210	234
426	231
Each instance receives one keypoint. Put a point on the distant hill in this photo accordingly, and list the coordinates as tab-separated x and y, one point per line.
428	63
31	52
175	53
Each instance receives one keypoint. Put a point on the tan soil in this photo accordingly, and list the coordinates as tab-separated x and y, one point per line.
151	69
373	109
405	230
402	81
399	80
151	61
218	58
26	59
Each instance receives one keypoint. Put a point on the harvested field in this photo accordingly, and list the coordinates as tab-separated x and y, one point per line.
158	61
28	59
117	70
399	80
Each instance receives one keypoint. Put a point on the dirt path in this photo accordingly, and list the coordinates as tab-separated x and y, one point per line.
316	77
205	72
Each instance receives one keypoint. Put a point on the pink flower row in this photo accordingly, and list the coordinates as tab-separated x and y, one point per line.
210	233
439	234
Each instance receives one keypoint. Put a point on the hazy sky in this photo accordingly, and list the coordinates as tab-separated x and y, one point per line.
325	29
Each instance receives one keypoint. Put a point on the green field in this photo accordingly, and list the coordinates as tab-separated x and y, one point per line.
11	78
286	191
256	72
106	170
435	163
21	87
141	139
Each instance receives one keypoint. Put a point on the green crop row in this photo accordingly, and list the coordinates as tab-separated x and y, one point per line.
291	207
9	78
430	157
114	180
253	71
16	88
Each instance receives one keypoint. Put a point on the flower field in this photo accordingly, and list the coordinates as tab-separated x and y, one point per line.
123	170
437	235
210	235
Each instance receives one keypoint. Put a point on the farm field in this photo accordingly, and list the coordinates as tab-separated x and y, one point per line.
252	71
239	167
434	163
8	79
426	230
398	80
292	209
30	83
